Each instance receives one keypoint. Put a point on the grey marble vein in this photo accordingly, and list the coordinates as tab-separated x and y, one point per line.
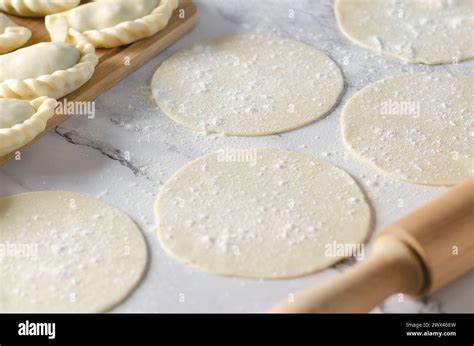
73	137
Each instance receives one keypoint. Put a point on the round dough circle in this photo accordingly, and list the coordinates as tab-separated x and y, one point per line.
417	128
247	85
416	31
66	252
261	213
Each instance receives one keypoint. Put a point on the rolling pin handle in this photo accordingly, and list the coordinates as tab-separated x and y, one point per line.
393	267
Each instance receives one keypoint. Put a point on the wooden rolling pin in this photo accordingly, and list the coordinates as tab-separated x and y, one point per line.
416	255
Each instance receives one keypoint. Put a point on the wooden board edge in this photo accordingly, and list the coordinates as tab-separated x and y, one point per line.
168	36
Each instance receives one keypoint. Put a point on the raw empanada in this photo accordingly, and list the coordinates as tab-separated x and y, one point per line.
36	8
21	121
12	36
111	23
51	69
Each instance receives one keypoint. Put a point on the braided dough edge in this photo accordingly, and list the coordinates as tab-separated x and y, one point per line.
57	84
13	38
20	134
36	8
121	34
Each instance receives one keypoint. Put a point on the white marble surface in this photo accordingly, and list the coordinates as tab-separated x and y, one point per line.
89	156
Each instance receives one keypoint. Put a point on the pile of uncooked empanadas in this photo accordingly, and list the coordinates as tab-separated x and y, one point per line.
33	76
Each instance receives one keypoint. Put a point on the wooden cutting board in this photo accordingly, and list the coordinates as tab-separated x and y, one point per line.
115	63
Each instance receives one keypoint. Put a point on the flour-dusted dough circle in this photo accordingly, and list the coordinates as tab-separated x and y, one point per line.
66	252
247	85
416	31
262	213
416	127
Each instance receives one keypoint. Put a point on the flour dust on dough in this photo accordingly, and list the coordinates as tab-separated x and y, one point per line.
260	213
66	252
247	85
415	127
416	31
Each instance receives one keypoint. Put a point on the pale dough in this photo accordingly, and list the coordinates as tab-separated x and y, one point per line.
36	8
268	213
21	121
247	85
415	127
111	23
89	255
13	112
12	35
416	31
38	60
52	69
104	14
